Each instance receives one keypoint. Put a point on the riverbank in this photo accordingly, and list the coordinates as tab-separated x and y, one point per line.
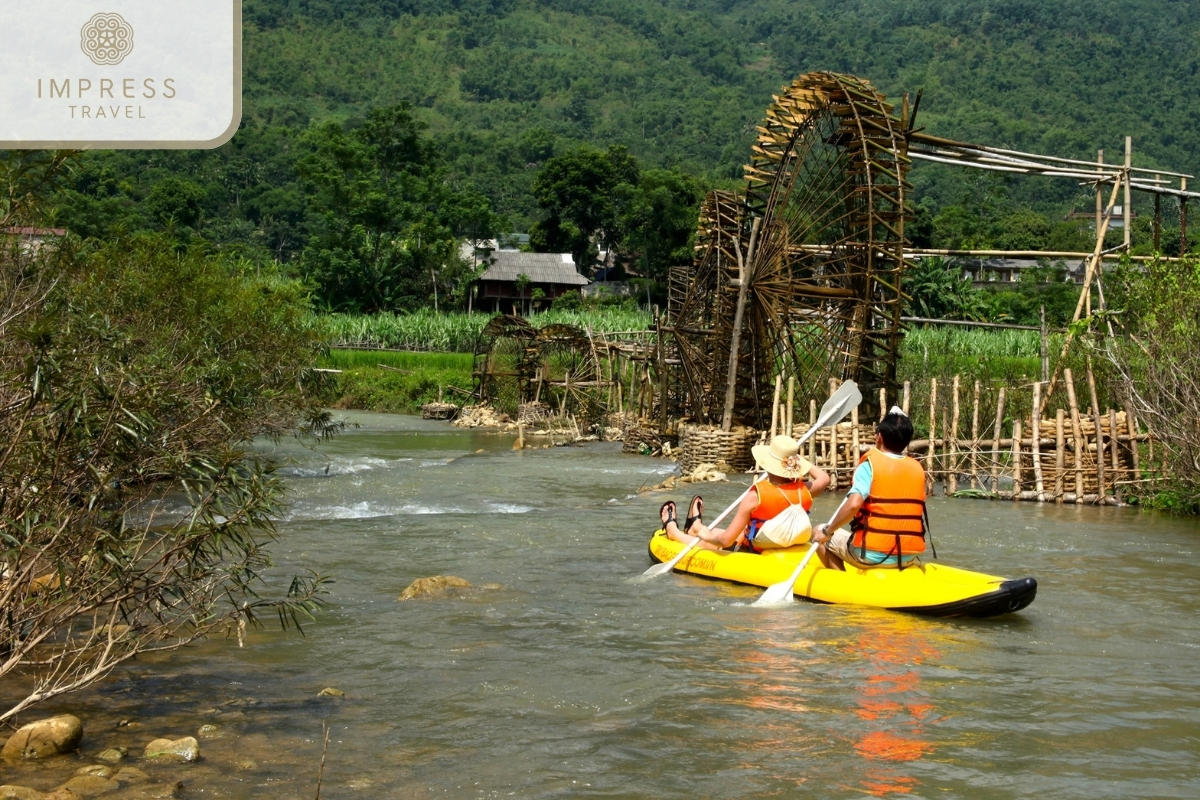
398	382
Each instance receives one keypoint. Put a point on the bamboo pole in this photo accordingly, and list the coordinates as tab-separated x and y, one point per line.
883	406
1131	430
775	405
932	435
662	378
1127	210
744	269
1113	446
975	438
1059	456
1035	448
907	391
1016	452
812	440
1099	433
954	441
996	440
945	450
854	451
1045	346
791	416
1076	434
833	456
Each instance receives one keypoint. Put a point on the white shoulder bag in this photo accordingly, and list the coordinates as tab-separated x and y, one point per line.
788	528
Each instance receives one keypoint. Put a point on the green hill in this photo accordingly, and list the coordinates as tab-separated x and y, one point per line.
503	85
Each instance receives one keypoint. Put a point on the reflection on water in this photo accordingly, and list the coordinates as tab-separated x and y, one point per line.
571	681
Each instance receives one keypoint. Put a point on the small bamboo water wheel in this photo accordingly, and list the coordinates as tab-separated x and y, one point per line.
555	368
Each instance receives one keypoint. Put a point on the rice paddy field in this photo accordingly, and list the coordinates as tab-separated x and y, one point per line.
456	333
439	348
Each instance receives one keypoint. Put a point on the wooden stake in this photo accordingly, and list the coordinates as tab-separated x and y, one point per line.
1016	451
1099	433
1128	208
775	405
812	440
1131	430
854	452
833	455
1046	347
1035	449
1113	446
791	399
954	441
932	435
945	450
1076	434
975	439
662	379
883	406
904	404
996	441
1059	456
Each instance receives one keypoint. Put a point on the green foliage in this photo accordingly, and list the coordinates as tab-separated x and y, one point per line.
412	380
938	290
1157	362
134	375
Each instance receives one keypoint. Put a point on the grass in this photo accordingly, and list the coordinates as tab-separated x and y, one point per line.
456	333
413	380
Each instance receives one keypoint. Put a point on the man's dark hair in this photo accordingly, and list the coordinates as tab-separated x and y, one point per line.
897	432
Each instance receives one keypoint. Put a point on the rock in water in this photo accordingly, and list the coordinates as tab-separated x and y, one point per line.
46	737
429	587
96	769
185	749
112	755
329	691
131	775
19	793
89	786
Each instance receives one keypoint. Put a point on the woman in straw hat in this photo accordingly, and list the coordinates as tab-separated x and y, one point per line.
790	480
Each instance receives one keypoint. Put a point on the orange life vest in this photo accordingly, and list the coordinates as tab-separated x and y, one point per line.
892	518
773	499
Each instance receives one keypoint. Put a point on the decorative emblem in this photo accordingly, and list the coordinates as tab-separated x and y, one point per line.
106	39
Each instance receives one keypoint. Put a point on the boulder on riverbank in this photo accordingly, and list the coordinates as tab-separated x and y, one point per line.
43	738
9	792
185	749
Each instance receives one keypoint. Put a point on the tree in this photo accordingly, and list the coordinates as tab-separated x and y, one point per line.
938	290
661	221
586	195
388	219
133	515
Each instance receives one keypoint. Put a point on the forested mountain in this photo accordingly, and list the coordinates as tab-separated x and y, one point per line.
505	85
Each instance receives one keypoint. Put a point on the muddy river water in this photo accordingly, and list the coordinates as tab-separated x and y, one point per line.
565	679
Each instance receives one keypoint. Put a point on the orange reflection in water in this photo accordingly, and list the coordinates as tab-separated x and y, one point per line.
890	697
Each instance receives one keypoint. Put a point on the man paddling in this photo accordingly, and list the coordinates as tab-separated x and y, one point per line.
790	480
885	506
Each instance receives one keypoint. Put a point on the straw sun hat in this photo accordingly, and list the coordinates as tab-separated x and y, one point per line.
782	457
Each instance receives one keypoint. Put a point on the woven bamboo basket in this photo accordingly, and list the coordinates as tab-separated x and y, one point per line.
700	444
439	411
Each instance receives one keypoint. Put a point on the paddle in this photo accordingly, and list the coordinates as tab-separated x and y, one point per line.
835	409
781	592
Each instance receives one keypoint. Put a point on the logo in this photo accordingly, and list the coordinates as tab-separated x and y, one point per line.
106	39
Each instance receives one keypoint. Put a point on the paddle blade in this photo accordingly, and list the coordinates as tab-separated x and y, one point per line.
781	593
667	566
843	401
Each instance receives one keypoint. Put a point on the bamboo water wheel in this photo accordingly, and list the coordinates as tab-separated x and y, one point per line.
556	365
503	366
814	252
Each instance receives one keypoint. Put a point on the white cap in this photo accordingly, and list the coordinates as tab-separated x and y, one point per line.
897	410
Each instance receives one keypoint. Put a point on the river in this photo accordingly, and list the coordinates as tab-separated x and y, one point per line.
558	676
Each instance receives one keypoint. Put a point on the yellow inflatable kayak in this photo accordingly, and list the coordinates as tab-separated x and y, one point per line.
930	589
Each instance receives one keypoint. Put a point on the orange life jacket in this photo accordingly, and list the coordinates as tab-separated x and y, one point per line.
773	500
892	518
